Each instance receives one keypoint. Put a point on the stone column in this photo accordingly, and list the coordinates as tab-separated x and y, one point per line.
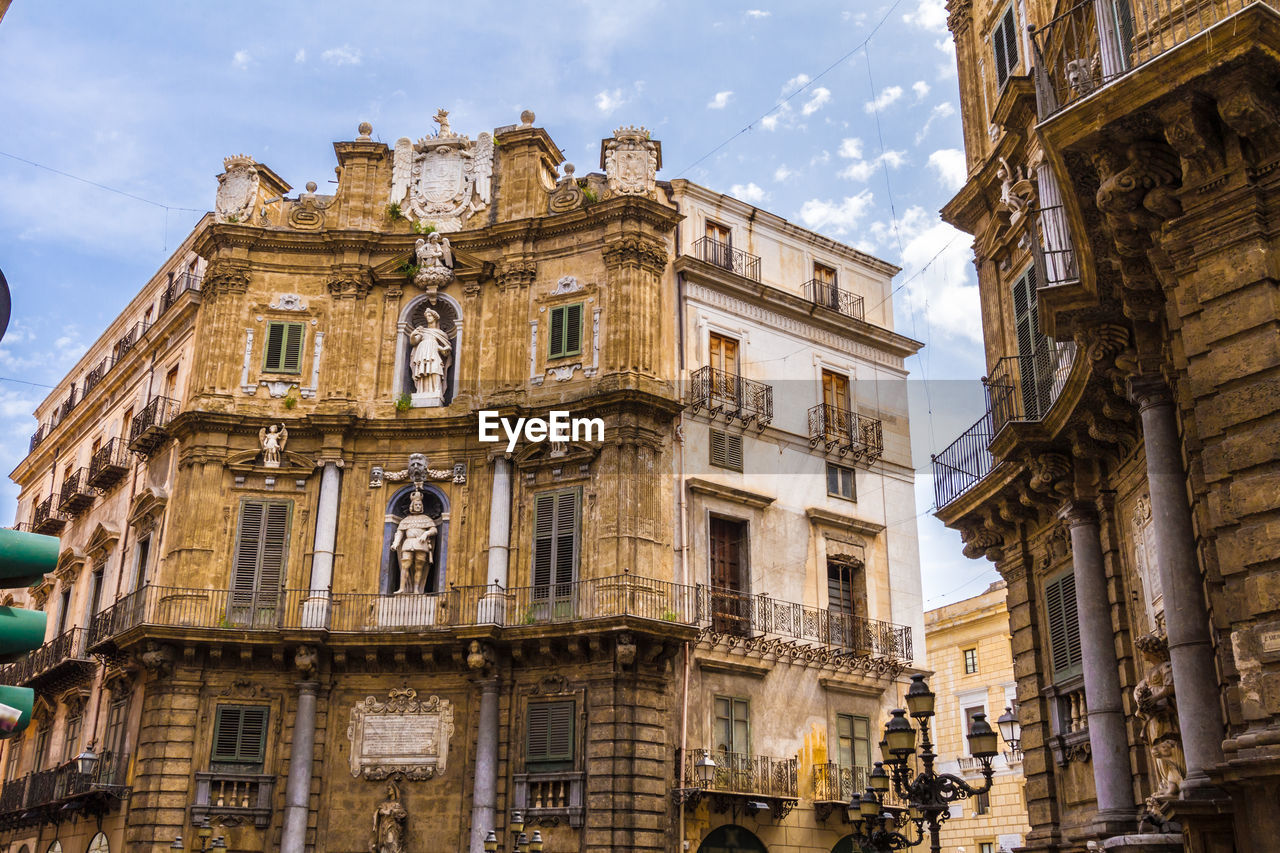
1109	48
1186	618
1108	741
316	610
500	522
484	804
297	792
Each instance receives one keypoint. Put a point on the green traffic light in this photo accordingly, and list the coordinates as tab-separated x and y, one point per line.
25	558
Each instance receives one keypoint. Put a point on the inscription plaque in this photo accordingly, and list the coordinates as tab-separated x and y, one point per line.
401	736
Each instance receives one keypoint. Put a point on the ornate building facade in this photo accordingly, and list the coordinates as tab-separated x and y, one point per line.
336	577
1121	180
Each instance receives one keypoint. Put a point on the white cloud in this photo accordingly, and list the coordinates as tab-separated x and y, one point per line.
758	13
887	97
720	101
300	56
794	83
241	59
850	148
921	89
860	169
748	192
771	121
782	173
928	15
817	100
607	101
837	217
950	166
820	159
345	55
937	264
942	110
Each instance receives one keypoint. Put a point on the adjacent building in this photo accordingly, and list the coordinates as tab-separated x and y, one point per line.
1122	176
334	578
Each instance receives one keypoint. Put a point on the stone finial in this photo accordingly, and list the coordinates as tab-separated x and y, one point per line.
526	118
365	130
311	186
568	170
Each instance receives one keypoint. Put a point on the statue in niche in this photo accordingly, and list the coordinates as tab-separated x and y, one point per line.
388	823
430	348
272	439
414	544
1154	696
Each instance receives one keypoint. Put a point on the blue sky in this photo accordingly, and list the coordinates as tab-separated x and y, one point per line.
865	150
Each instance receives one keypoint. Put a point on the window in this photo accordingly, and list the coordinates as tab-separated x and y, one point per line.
840	482
726	450
719	233
1038	356
283	352
71	743
731	608
64	607
566	331
116	717
722	353
986	846
95	591
171	383
844	589
970	661
1064	626
853	741
239	738
258	565
42	748
1004	41
555	544
14	768
824	274
982	805
835	391
732	730
126	423
140	568
549	737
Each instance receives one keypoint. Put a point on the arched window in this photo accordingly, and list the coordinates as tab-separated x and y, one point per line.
732	839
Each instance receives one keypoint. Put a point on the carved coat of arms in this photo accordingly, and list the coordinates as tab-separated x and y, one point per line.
442	179
631	161
237	189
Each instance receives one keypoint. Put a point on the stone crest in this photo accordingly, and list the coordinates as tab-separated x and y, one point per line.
442	179
237	189
418	471
631	161
400	737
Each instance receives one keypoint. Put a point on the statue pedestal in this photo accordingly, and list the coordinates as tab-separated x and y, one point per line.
406	610
492	608
315	611
426	401
1147	842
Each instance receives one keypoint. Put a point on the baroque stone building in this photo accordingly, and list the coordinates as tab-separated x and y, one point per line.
303	597
1121	183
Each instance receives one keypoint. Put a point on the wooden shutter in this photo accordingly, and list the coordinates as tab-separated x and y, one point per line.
543	539
274	351
573	329
293	348
283	353
556	346
550	733
566	539
240	734
1064	625
244	568
258	564
726	450
1005	43
555	545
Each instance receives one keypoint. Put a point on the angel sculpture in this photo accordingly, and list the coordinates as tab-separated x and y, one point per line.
272	439
434	251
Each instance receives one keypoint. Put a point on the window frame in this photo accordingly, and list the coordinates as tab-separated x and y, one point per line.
553	581
859	745
239	759
970	661
558	320
1002	38
551	762
282	364
735	703
1067	611
730	450
853	482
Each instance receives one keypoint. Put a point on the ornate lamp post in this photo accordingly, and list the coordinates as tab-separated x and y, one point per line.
927	793
1010	729
204	833
521	843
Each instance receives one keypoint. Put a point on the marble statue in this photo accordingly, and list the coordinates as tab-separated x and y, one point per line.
431	347
414	544
435	262
1154	696
272	439
1011	183
388	823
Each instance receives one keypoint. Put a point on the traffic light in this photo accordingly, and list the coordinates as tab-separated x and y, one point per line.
24	560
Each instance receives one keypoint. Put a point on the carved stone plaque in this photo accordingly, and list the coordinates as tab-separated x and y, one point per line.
401	736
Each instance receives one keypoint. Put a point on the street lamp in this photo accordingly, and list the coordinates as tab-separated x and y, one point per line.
521	842
204	832
1010	729
87	760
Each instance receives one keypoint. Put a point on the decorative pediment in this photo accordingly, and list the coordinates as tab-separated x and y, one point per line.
119	677
70	562
42	710
565	454
295	465
823	518
146	507
75	700
41	591
101	542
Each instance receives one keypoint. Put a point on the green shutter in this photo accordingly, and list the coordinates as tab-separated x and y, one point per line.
555	543
1064	626
566	331
283	351
550	733
239	735
258	563
274	349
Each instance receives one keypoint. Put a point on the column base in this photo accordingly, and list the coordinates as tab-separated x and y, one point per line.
315	611
1108	823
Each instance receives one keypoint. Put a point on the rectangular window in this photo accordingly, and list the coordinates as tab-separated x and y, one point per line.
95	591
853	738
986	846
970	661
42	749
982	804
840	483
722	352
116	716
835	391
64	608
1064	626
143	558
844	582
549	736
726	450
239	738
555	544
1004	41
824	274
258	564
566	331
732	729
719	233
14	768
283	350
71	743
731	607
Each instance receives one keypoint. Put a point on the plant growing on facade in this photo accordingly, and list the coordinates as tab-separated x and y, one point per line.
394	213
404	402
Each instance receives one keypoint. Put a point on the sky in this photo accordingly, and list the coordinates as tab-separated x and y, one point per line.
842	117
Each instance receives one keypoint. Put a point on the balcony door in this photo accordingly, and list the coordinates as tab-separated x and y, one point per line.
835	404
722	352
258	564
719	245
730	603
846	601
825	292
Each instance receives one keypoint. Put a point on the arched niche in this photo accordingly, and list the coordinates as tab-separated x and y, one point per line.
732	839
450	323
436	505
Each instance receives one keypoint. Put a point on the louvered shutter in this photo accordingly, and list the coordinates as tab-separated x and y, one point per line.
292	360
239	735
726	450
274	544
1004	41
550	734
544	525
573	329
1032	344
244	571
1064	625
274	351
259	562
566	541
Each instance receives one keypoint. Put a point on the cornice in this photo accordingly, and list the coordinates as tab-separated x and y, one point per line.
817	515
733	494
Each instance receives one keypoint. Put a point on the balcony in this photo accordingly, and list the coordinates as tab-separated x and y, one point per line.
150	426
68	403
738	776
109	465
47	518
233	798
550	798
42	431
51	796
828	295
846	432
96	374
60	663
182	283
1091	45
129	339
726	257
723	393
76	495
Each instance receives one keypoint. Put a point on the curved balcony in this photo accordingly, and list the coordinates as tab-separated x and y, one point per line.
723	393
150	426
843	431
726	257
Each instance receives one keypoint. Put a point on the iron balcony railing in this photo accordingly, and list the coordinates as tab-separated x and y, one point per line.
129	339
600	598
726	257
32	795
722	392
1052	249
69	647
68	403
76	495
828	295
846	432
739	773
182	283
148	428
964	463
47	518
833	783
1095	42
39	435
96	374
109	464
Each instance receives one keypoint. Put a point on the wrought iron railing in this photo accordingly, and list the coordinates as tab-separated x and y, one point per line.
109	464
129	339
964	463
726	257
39	435
148	427
181	283
846	432
36	791
96	374
47	518
76	495
1093	43
1052	248
739	773
833	783
600	598
722	392
68	403
71	646
828	295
